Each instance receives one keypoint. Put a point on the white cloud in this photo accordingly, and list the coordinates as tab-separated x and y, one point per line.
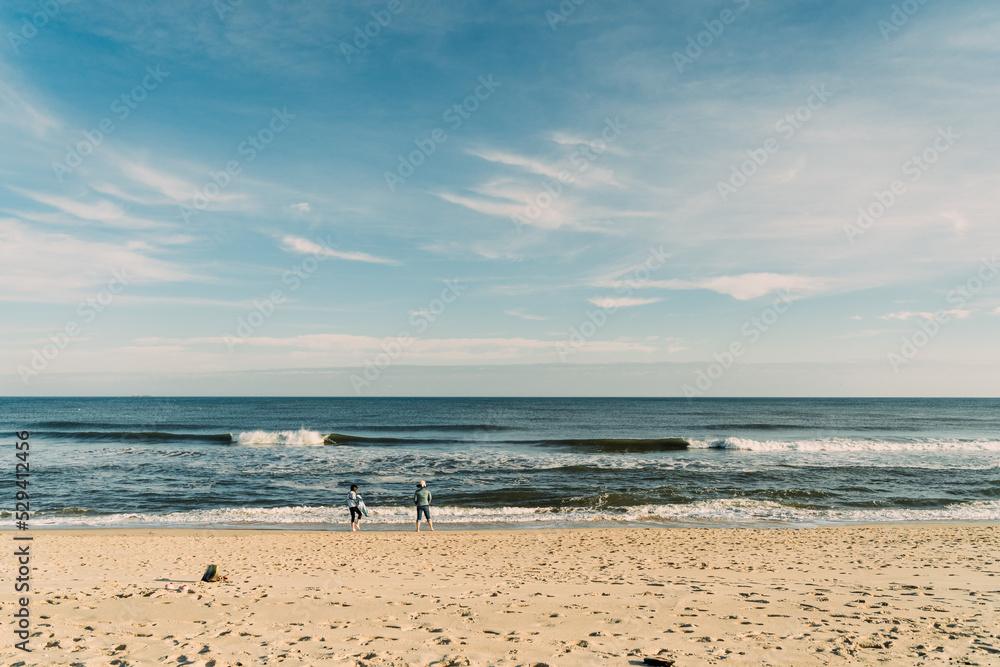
176	189
47	267
958	221
353	350
115	191
506	200
481	205
529	164
19	112
523	315
864	333
742	287
567	174
566	139
101	210
622	302
909	315
307	247
302	207
168	188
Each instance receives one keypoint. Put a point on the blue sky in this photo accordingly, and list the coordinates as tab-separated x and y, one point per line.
639	198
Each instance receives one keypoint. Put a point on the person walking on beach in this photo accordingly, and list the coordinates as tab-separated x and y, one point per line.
422	499
354	505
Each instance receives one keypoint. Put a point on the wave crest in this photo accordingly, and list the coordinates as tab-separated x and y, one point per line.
300	438
719	512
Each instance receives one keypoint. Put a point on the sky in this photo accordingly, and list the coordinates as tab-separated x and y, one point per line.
732	198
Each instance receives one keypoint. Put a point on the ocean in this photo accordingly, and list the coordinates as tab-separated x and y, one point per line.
507	462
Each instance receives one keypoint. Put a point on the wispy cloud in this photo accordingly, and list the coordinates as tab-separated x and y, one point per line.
307	247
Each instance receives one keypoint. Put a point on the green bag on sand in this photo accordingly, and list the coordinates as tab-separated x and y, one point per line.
211	574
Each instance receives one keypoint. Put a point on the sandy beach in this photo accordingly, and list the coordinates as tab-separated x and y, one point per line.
889	594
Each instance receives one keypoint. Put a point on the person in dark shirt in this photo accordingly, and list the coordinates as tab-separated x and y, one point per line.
422	499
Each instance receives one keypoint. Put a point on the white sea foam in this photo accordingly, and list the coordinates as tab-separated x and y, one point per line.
300	438
725	512
850	445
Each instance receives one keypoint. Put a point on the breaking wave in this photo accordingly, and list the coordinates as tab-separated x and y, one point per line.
301	437
719	512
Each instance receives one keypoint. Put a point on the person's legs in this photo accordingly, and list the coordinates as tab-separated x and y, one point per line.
427	515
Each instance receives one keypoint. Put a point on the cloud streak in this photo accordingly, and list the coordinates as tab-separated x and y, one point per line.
306	247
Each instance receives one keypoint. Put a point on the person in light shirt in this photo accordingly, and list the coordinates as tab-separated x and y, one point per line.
354	505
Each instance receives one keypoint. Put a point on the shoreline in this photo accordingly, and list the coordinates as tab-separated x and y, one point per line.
491	527
898	594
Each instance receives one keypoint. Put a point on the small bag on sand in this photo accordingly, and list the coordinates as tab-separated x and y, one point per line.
211	574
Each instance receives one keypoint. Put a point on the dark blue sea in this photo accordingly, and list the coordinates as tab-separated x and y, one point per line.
507	462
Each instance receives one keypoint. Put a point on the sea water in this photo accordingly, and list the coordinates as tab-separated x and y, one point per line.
508	462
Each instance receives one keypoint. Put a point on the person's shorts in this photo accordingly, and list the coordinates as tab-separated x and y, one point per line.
425	510
355	511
